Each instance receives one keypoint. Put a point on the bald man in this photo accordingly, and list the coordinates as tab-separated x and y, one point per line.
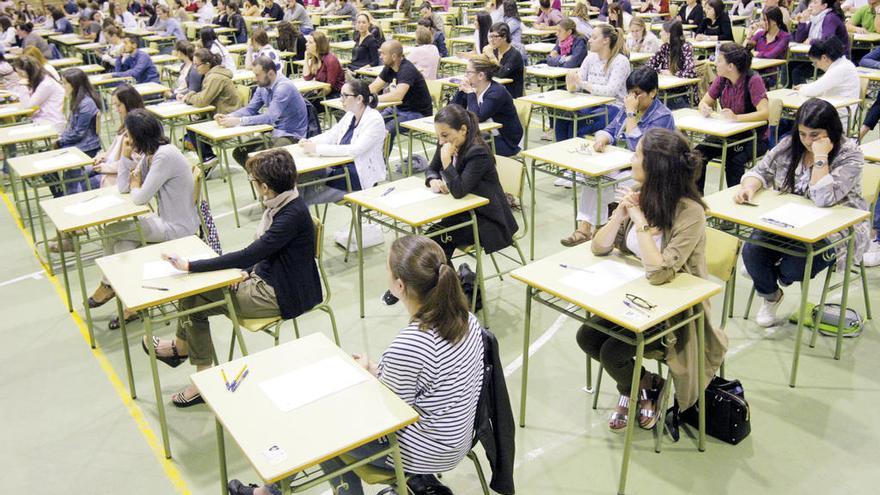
406	84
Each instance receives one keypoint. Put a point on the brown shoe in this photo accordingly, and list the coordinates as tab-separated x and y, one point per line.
577	237
66	244
102	295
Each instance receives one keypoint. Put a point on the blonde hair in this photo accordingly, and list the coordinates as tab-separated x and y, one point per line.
581	11
424	36
33	51
618	45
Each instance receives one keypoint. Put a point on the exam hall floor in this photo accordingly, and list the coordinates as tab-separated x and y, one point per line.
67	425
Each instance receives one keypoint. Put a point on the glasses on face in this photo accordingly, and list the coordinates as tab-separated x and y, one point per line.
493	36
638	301
346	95
469	72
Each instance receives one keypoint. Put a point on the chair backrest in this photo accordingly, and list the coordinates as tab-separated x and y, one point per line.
774	117
197	184
511	174
244	94
673	10
739	33
871	182
722	250
319	237
524	112
436	89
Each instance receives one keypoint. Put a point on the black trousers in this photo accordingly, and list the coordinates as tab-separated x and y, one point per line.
616	357
737	157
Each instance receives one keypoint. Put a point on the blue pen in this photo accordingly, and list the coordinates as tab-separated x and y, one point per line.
240	379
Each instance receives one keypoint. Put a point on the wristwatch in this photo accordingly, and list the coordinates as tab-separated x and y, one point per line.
819	163
630	114
643	228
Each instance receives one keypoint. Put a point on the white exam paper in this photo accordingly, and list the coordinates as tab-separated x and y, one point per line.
56	161
27	130
161	268
602	277
402	198
796	215
88	206
311	383
700	122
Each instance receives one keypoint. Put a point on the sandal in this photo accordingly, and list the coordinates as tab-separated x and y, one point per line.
129	317
577	237
102	296
174	360
651	396
618	417
180	400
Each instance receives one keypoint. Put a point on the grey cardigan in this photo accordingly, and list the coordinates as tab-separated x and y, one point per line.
842	186
167	176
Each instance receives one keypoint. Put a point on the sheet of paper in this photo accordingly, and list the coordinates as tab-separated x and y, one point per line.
402	198
311	383
161	268
602	277
699	122
28	130
795	216
59	160
88	206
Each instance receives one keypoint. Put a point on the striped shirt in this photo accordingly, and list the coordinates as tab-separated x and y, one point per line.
442	382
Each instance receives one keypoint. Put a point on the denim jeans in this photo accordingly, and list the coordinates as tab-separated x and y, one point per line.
70	176
877	218
589	126
402	116
768	268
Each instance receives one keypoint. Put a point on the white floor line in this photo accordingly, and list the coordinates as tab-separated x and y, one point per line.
537	344
31	276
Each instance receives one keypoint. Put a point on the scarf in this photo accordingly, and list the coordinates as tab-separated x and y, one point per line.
565	46
816	22
273	206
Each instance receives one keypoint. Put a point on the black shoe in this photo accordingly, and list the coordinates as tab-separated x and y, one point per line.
427	484
468	284
388	298
180	401
236	487
174	360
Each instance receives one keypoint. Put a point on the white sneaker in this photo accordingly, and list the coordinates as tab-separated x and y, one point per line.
872	257
767	313
744	272
561	182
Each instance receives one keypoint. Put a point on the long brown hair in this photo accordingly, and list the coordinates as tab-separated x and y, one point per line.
421	265
670	175
456	116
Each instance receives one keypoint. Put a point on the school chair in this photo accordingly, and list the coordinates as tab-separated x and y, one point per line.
739	32
435	88
673	10
524	112
272	325
774	117
855	121
373	475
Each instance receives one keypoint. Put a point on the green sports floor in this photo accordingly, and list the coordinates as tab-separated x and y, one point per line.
67	424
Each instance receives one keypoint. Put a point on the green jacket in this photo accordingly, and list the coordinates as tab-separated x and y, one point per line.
218	90
864	18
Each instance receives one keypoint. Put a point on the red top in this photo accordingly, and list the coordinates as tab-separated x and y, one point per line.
330	72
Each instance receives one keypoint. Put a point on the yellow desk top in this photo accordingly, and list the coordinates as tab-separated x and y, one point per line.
68	39
455	81
369	71
105	79
336	104
799	48
540	47
310	163
164	59
59	63
138	32
869	74
308	434
90	68
671	82
305	86
342	45
159	37
426	125
866	37
37	164
216	132
703	44
574	154
415	215
871	151
151	88
237	48
242	75
766	63
26	132
561	99
57	209
531	31
639	57
15	110
683	292
453	60
791	99
124	271
544	70
85	47
174	109
721	205
688	119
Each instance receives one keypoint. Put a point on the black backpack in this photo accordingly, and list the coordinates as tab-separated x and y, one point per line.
727	412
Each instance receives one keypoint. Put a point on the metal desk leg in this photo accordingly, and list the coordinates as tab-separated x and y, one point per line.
398	463
701	373
721	176
221	454
77	253
532	213
409	164
224	164
43	233
478	254
525	357
843	298
632	419
236	330
802	313
66	277
360	245
157	387
122	329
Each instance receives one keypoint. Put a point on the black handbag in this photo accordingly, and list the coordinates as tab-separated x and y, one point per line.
727	412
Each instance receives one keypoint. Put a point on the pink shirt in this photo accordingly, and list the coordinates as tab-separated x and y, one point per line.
442	4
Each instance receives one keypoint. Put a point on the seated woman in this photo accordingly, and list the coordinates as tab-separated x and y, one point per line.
744	8
675	57
218	91
508	59
548	16
279	273
663	225
435	365
360	133
322	65
291	39
81	130
823	19
570	49
494	104
643	111
438	35
259	46
819	163
209	40
743	98
772	37
425	55
482	24
716	23
189	79
161	173
602	73
640	38
366	46
103	173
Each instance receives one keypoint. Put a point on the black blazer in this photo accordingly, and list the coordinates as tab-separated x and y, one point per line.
696	16
498	106
721	28
284	256
495	426
513	67
474	172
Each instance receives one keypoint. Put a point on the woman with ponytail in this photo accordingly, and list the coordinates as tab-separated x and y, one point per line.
664	225
359	133
435	364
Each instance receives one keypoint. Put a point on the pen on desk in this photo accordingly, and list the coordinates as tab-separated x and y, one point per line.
632	306
153	287
777	223
238	381
569	267
225	380
87	200
237	376
387	192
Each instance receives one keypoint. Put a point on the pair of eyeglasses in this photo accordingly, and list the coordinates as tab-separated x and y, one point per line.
638	301
346	95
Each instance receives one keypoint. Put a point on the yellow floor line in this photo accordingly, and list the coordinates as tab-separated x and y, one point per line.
122	392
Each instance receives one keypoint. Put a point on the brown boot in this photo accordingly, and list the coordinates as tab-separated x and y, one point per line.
101	296
583	234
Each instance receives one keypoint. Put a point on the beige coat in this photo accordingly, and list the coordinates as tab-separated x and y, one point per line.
218	90
683	249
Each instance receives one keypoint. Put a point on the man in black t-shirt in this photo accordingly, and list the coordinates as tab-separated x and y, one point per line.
407	85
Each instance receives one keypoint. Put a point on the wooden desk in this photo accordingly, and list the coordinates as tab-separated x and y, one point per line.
305	86
378	204
871	151
539	51
323	429
16	112
124	272
60	63
549	284
565	105
223	139
718	133
531	34
151	89
575	158
424	130
24	135
90	68
449	65
176	114
801	241
674	86
638	58
545	76
792	100
76	224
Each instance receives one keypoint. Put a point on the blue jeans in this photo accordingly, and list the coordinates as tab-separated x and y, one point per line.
768	268
877	217
72	185
402	116
589	126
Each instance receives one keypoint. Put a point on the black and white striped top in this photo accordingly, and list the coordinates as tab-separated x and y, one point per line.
442	382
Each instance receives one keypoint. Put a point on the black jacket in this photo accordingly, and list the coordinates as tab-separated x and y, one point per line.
695	17
284	256
498	106
474	172
495	427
